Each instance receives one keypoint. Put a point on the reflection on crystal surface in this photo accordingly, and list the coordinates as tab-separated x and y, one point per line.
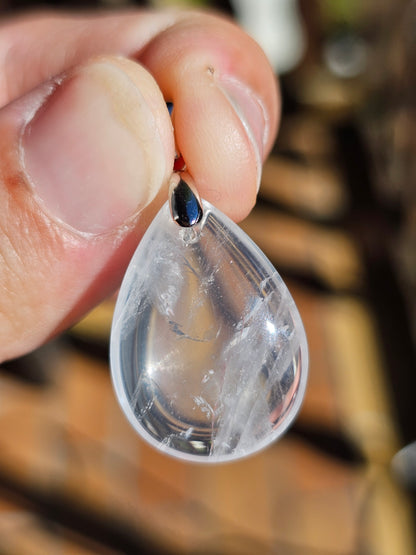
208	352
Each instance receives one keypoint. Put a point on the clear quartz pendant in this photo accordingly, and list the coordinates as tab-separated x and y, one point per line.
208	352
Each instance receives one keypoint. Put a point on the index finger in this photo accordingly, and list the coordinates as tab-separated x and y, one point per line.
224	91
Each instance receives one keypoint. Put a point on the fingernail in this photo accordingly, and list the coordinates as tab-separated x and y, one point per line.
251	113
92	152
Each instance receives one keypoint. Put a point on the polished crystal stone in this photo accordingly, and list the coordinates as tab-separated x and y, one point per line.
208	352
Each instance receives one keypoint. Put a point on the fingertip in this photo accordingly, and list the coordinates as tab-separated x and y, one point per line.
84	169
226	106
216	148
155	101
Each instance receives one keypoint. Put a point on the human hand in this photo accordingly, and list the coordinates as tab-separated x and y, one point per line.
87	148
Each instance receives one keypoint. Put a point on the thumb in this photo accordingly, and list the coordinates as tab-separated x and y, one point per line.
84	164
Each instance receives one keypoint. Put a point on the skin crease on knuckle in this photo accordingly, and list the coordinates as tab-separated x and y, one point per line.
41	293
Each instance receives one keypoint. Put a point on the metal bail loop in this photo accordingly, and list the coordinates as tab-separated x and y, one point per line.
185	204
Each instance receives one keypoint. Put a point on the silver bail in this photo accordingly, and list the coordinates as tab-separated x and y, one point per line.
184	201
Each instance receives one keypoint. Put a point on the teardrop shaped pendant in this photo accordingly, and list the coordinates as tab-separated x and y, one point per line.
208	352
